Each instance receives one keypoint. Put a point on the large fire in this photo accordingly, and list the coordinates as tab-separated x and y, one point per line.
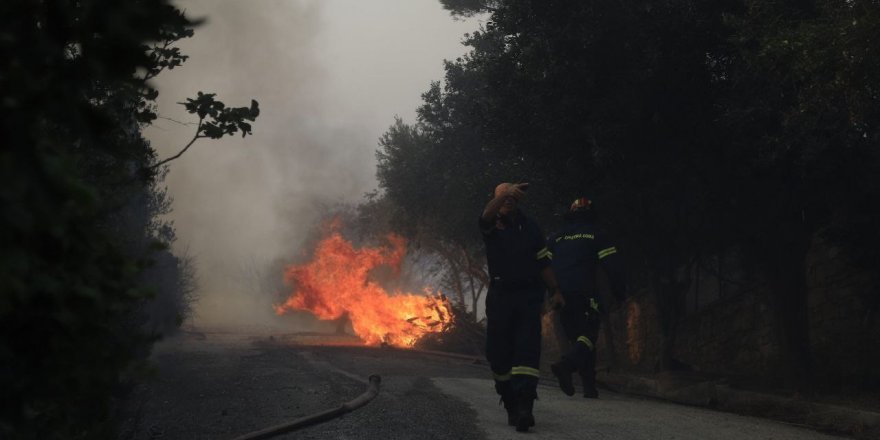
337	282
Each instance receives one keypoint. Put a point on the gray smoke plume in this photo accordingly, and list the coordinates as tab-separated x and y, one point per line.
329	75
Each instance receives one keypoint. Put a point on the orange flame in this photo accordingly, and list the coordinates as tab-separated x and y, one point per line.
337	282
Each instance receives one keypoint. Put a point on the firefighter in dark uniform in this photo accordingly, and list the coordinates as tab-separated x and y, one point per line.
518	263
578	251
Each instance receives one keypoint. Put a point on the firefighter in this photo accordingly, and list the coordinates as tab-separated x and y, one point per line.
578	251
518	263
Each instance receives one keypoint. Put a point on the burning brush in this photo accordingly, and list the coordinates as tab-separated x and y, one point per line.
337	282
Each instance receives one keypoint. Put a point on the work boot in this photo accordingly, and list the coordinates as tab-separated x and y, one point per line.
525	419
589	382
562	371
510	406
508	398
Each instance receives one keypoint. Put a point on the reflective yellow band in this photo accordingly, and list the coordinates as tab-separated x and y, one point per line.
502	377
586	341
575	237
594	304
529	371
606	252
544	253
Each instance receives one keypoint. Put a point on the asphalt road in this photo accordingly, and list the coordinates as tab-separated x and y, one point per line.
223	385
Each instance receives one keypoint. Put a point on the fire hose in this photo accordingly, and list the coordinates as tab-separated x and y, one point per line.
347	407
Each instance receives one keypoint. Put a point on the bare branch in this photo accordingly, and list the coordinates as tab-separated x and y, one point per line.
190	144
187	124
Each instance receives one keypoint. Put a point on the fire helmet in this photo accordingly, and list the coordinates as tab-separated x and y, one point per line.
581	204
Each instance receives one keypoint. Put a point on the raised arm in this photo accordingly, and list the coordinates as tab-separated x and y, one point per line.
492	208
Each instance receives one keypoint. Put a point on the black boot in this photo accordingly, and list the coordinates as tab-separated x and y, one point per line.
591	393
562	370
588	376
525	419
510	406
589	381
508	398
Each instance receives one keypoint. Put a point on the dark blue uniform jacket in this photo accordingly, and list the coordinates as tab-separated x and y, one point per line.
515	251
577	253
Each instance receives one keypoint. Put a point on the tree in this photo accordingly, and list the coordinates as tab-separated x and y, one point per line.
558	95
807	137
81	200
468	7
735	128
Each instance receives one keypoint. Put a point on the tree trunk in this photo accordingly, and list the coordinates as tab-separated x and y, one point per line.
870	358
790	309
671	295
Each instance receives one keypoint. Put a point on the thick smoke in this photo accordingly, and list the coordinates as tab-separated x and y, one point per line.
329	76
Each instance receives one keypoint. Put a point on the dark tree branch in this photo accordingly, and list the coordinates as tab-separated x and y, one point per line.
190	144
186	124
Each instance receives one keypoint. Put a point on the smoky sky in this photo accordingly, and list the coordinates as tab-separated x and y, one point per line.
330	75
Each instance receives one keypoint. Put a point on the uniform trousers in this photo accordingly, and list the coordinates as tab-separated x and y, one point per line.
581	320
513	338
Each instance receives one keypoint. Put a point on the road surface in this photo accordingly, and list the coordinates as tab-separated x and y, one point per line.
221	385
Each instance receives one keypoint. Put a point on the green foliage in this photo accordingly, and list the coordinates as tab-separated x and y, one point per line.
467	8
802	115
79	230
216	120
701	129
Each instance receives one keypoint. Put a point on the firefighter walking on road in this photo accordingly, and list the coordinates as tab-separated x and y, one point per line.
578	251
518	263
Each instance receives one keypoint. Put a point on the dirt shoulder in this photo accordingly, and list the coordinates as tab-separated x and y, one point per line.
857	417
